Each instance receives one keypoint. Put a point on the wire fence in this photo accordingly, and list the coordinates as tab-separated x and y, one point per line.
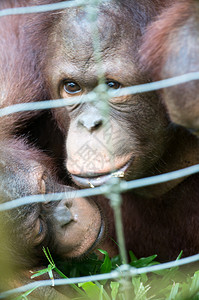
115	186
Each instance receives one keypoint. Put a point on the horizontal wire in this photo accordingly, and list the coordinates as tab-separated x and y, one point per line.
122	271
40	8
121	187
108	188
94	95
46	7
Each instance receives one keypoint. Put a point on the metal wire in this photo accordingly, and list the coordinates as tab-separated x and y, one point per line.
109	188
94	95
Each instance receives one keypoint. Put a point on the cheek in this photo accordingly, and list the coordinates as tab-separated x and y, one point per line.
150	124
148	118
27	179
35	182
62	118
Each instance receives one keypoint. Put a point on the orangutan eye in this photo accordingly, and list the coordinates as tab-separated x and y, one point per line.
39	231
113	84
72	87
40	228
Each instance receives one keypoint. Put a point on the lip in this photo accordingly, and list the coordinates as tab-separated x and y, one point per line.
99	238
99	179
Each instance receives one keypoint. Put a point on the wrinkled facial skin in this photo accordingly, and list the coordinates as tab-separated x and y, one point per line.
135	135
69	228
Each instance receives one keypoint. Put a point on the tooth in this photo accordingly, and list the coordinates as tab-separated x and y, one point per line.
90	184
119	174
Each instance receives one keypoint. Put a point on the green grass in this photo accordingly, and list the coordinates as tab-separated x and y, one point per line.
169	284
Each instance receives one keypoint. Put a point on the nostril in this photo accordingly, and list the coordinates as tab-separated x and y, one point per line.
91	123
97	124
63	215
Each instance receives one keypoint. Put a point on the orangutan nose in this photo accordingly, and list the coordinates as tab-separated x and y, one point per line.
62	215
91	120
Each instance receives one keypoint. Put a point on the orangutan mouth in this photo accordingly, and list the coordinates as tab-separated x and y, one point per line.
99	179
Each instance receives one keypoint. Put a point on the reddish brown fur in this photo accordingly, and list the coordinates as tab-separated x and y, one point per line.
142	216
161	219
153	221
24	168
155	44
170	48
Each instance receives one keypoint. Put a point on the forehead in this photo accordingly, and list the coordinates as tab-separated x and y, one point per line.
116	32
